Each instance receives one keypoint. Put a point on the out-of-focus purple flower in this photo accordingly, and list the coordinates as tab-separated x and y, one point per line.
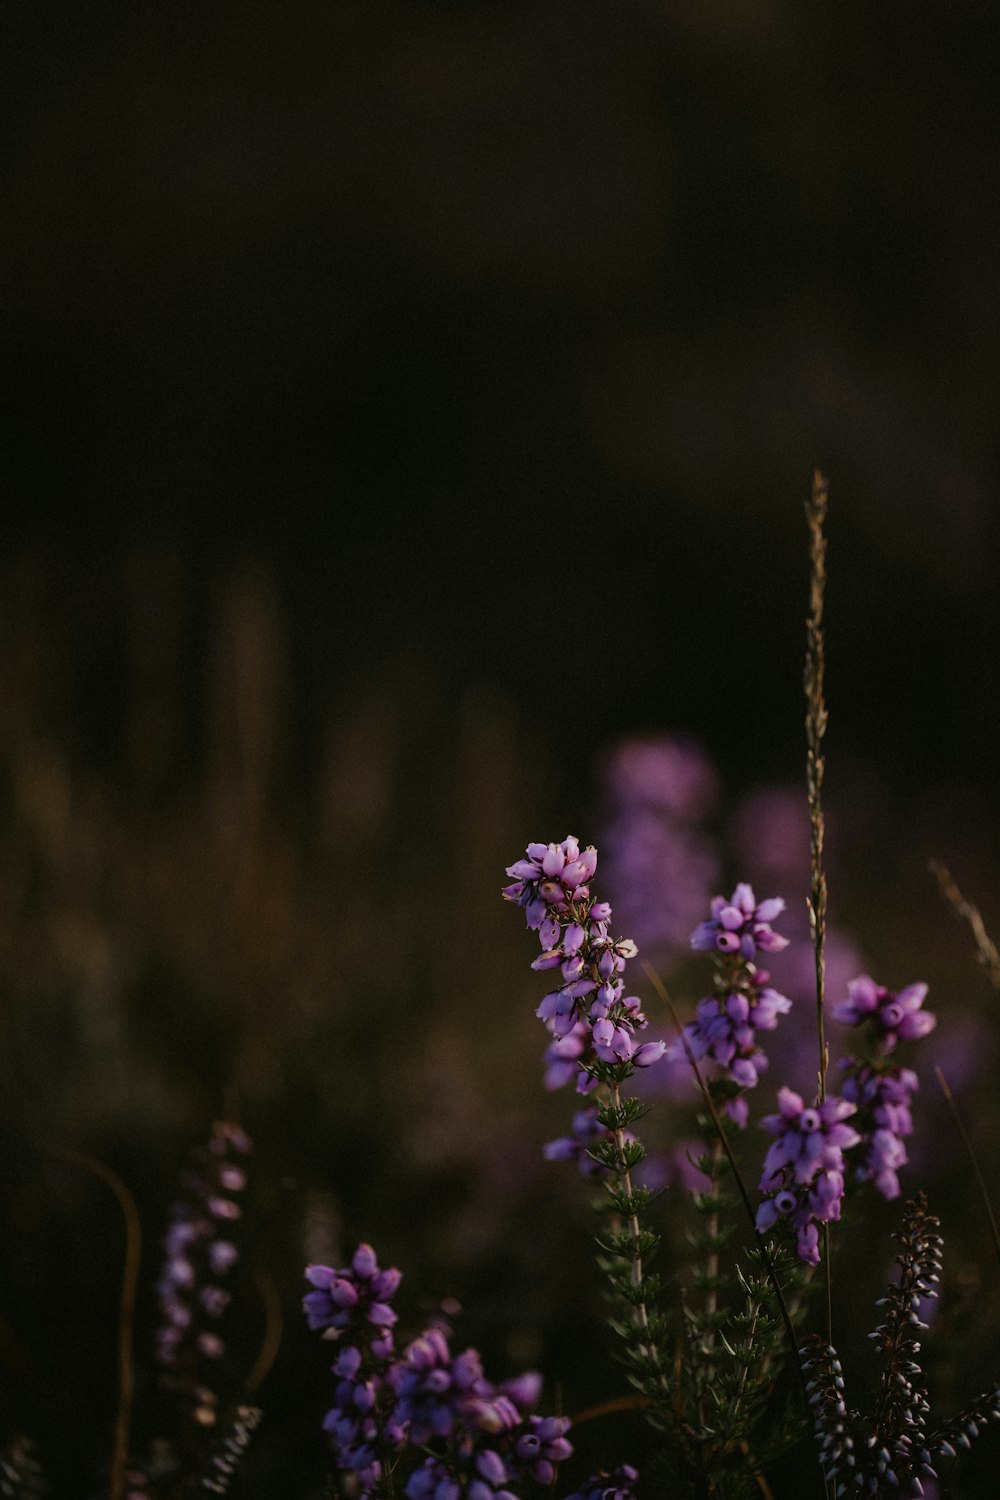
538	1446
741	925
660	867
668	772
769	831
892	1017
562	1057
803	1176
604	1486
587	1130
196	1257
434	1480
434	1389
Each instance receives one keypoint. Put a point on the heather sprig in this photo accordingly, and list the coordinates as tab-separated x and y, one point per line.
427	1422
232	1438
597	1024
879	1085
725	1030
199	1254
604	1486
353	1305
803	1176
891	1451
724	1037
593	1024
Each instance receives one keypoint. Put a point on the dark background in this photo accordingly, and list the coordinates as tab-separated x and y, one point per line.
511	334
401	403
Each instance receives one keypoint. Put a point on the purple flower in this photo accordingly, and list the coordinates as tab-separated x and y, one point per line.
434	1480
352	1305
195	1259
892	1018
741	925
355	1298
604	1486
883	1096
388	1408
434	1389
494	1437
587	1131
803	1176
594	1024
659	865
724	1032
549	878
880	1086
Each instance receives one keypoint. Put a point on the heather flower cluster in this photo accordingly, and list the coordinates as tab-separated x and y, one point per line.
726	1025
803	1177
615	1486
199	1255
879	1085
428	1410
355	1303
890	1018
593	1023
741	925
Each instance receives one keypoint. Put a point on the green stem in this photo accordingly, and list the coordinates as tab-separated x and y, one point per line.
648	1348
765	1254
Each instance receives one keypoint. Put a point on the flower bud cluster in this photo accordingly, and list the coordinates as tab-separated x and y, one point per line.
354	1303
594	1024
482	1436
603	1486
740	925
803	1177
493	1436
883	1098
199	1254
437	1390
724	1031
879	1085
890	1018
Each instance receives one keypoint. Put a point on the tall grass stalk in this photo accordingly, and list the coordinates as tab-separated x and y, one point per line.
816	721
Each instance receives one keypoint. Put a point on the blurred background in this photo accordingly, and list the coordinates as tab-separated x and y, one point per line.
408	414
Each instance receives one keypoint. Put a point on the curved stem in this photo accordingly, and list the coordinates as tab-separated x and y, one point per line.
126	1320
273	1330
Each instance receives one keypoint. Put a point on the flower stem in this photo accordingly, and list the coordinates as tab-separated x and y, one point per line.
816	721
126	1318
648	1348
706	1094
